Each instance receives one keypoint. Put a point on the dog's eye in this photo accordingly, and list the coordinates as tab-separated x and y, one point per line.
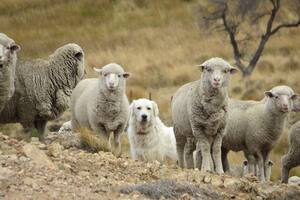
148	108
139	108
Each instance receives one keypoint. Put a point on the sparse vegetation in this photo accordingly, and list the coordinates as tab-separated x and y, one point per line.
157	41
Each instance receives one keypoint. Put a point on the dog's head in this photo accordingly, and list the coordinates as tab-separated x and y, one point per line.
143	110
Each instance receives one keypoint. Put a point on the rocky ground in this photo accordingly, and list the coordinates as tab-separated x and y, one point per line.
61	169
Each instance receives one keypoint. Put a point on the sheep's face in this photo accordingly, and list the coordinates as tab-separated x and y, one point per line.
144	110
112	76
217	71
281	98
5	53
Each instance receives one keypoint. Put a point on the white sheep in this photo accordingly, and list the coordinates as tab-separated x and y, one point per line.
43	88
255	126
102	105
8	61
199	112
292	158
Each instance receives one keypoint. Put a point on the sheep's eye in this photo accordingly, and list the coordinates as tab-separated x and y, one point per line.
148	108
209	69
139	108
276	97
105	74
119	75
226	71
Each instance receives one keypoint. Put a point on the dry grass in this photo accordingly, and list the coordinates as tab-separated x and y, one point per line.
159	42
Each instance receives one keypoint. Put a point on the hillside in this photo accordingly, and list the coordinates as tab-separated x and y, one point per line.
61	170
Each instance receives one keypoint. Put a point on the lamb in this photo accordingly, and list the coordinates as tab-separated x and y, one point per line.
292	158
199	112
8	61
254	127
102	105
43	88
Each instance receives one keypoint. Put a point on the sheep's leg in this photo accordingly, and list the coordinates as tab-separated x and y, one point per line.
204	146
251	163
260	163
180	143
109	144
216	154
266	165
225	162
28	128
40	126
287	163
188	152
117	143
198	159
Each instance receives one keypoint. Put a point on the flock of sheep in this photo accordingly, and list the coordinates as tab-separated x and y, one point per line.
207	122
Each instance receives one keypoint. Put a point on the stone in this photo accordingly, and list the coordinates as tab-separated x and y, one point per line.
232	183
5	173
55	149
38	156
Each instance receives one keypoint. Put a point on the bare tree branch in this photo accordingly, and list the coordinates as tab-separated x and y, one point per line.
231	31
286	25
265	37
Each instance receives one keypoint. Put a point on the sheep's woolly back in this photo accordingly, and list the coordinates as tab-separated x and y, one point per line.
7	72
44	86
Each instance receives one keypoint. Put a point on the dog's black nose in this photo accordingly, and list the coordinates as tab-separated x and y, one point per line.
144	117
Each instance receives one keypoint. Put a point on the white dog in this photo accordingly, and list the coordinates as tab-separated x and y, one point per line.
149	138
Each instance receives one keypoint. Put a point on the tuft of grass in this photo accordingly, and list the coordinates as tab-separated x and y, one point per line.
96	142
91	141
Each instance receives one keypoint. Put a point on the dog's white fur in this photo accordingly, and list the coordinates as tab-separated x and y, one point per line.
149	138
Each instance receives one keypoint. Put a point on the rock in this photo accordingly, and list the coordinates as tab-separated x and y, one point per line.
5	173
232	183
42	146
34	139
38	156
217	181
207	179
55	149
31	182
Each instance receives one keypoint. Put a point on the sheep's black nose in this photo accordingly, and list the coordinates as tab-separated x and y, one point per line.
144	117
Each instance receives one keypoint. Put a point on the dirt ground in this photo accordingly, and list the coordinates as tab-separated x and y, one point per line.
60	169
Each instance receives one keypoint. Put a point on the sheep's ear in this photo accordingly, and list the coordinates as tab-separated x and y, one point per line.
233	70
98	70
201	67
270	163
126	74
294	96
155	109
269	94
79	55
15	47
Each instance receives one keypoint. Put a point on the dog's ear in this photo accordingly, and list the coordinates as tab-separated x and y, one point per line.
155	109
131	107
